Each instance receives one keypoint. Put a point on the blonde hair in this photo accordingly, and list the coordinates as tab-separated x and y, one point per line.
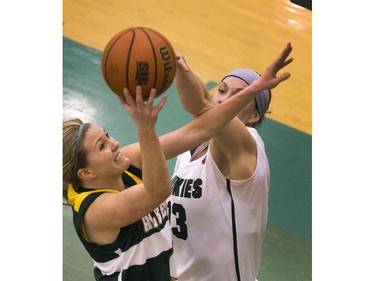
71	153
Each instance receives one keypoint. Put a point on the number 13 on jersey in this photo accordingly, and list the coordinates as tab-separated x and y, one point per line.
179	215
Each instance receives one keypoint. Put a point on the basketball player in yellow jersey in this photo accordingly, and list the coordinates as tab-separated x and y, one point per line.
219	203
118	194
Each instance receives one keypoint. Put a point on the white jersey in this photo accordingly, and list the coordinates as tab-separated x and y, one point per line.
218	225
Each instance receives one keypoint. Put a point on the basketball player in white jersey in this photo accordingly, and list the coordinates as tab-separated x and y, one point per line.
219	203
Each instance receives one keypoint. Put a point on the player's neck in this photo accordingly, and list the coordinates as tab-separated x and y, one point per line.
116	184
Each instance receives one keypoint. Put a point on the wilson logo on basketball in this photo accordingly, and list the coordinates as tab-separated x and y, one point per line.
166	57
142	72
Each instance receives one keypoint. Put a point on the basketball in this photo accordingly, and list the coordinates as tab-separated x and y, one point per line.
139	56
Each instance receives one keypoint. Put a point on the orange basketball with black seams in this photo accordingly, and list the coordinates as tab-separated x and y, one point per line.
139	56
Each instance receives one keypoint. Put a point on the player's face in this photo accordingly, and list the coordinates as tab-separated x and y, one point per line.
228	88
103	155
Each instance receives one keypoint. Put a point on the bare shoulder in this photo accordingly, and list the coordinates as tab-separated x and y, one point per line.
98	227
235	153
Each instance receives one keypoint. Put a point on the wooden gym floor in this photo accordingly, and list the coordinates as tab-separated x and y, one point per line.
215	37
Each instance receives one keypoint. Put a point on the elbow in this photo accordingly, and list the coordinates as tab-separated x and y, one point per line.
163	193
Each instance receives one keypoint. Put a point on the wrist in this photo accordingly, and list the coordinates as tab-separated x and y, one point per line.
256	86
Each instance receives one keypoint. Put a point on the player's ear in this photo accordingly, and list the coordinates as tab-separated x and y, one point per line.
254	118
86	174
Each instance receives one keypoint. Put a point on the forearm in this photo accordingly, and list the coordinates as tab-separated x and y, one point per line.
215	117
155	173
191	90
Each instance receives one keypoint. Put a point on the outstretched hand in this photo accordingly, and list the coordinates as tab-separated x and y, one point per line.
143	114
269	80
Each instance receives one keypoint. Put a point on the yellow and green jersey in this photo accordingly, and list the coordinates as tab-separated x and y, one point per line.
141	250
